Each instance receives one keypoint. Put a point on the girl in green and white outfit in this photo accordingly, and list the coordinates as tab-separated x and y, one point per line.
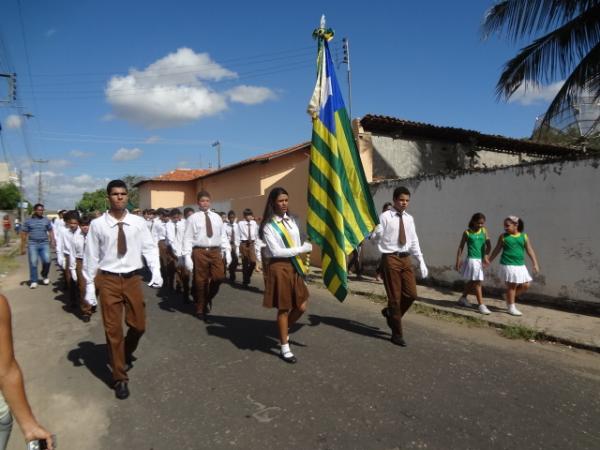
513	244
478	249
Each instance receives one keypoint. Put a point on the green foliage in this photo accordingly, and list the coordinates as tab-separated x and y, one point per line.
93	201
134	196
9	196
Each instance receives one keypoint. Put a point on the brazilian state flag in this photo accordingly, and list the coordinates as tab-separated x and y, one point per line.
341	213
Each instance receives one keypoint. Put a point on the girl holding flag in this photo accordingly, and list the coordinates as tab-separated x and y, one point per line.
285	288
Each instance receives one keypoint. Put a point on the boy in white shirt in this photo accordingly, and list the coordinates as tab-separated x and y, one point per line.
78	245
397	241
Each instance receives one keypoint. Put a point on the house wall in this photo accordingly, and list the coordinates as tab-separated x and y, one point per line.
161	194
401	157
558	202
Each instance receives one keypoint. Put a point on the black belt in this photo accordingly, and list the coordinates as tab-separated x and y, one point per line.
79	259
399	254
205	248
247	242
122	275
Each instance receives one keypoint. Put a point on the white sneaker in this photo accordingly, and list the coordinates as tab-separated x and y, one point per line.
33	285
46	282
513	311
484	310
464	302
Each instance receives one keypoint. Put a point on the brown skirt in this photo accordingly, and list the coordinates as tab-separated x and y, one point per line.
284	288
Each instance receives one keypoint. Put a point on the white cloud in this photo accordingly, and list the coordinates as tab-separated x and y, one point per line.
61	190
13	121
250	95
79	154
58	163
175	90
533	93
50	32
108	117
127	154
152	140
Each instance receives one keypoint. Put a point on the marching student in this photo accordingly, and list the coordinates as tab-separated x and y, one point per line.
204	240
514	244
285	288
37	233
77	252
175	230
71	229
248	232
115	245
397	240
160	237
233	236
478	249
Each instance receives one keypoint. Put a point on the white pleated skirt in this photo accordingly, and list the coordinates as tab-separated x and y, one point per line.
472	270
515	274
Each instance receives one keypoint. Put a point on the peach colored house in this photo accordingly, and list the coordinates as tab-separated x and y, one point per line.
171	189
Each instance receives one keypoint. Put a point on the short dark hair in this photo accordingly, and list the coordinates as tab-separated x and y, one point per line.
476	218
162	212
175	212
70	215
85	220
399	191
116	184
37	205
248	212
187	210
231	213
202	194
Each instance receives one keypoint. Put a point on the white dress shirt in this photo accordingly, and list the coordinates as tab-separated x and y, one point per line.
195	232
67	240
232	228
159	230
78	244
274	242
387	233
243	227
175	232
101	246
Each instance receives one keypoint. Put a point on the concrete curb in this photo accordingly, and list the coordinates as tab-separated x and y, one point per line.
489	319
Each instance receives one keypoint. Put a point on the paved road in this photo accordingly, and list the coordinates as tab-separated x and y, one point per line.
222	386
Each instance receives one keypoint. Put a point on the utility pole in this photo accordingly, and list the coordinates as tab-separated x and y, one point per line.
218	145
40	185
21	198
346	46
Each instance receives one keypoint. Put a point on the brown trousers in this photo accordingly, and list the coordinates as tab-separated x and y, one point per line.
209	272
164	256
248	254
231	268
86	308
183	279
400	287
120	295
70	287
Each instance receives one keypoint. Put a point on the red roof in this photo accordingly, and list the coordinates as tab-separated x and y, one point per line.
178	175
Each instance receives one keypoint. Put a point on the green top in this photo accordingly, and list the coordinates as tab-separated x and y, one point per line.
513	249
476	243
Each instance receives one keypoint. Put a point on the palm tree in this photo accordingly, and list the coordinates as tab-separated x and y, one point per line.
569	48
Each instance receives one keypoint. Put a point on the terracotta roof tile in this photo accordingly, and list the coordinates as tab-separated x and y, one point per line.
178	175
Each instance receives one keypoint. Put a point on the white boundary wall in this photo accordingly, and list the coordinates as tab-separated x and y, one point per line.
559	203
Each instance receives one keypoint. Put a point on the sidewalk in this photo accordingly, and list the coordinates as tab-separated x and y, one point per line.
577	330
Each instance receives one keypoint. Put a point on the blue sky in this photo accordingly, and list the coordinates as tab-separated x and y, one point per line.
143	87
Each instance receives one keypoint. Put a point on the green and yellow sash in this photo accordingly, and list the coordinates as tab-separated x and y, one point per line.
287	241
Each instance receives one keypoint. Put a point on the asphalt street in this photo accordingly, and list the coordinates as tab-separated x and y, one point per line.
222	385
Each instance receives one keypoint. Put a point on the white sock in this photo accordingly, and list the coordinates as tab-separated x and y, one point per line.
285	350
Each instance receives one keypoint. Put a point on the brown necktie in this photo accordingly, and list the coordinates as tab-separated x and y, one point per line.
209	231
233	232
249	238
402	233
121	241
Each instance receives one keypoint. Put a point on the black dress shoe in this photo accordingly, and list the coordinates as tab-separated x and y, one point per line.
385	312
398	340
290	359
86	319
121	390
204	317
94	309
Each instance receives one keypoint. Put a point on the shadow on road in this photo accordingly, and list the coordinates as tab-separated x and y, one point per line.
95	358
349	325
249	334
